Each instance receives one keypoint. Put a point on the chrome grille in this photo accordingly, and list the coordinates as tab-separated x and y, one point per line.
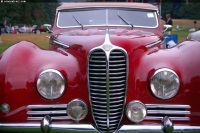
174	112
56	111
107	86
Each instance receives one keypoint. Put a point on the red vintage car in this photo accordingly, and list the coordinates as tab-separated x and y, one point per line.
107	70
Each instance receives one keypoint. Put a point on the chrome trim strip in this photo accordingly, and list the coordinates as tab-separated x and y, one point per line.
46	112
173	112
172	118
154	44
53	118
37	112
168	106
79	128
59	43
47	106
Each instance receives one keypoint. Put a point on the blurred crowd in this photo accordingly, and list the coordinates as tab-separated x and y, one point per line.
26	29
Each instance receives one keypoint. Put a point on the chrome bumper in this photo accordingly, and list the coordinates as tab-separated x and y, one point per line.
46	126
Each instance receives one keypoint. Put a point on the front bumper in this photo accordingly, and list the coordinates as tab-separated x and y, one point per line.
46	126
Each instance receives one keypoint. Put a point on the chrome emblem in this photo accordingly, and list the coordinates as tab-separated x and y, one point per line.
107	47
77	111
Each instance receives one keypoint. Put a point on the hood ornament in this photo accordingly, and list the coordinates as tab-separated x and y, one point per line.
107	45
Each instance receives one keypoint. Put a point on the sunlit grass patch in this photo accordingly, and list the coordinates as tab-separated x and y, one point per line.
9	39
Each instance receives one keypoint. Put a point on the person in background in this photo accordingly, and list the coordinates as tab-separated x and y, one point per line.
168	20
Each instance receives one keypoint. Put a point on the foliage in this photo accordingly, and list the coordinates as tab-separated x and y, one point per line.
29	13
181	9
189	11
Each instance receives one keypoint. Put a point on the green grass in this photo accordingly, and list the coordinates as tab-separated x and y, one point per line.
182	34
10	39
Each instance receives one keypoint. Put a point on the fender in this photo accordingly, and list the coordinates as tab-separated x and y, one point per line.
183	59
20	66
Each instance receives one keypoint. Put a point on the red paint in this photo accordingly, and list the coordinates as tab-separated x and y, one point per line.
23	62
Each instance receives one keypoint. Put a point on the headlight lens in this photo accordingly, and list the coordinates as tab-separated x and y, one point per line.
136	111
165	83
77	110
51	84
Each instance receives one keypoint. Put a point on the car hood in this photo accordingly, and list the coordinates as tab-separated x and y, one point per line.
85	40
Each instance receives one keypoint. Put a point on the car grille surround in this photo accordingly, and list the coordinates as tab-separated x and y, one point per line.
107	79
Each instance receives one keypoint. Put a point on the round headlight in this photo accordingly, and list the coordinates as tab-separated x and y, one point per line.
136	111
165	83
51	84
77	110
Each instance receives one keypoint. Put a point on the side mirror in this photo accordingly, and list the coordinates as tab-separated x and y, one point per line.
167	28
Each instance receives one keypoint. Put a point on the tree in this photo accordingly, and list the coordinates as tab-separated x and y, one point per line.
29	13
187	9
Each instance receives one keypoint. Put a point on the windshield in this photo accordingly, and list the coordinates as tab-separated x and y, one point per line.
107	17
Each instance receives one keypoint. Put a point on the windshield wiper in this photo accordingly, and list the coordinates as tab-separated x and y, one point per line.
128	23
77	21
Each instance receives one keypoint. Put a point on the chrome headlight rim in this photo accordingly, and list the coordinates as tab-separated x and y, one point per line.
69	109
135	102
166	70
56	72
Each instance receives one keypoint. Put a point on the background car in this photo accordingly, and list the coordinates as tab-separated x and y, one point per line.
194	36
41	29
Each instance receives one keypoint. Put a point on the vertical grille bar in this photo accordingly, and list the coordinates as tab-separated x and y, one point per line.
107	87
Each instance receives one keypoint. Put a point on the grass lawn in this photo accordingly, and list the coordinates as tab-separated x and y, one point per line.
42	40
10	39
185	25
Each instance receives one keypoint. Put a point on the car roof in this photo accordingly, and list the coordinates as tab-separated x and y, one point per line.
108	4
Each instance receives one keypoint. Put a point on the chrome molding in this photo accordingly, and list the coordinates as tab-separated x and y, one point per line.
62	127
168	106
59	43
46	106
168	112
172	118
155	43
56	111
107	48
174	112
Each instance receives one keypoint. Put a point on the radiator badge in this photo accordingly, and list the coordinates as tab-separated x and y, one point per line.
107	47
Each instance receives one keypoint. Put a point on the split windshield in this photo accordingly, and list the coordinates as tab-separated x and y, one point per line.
107	17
